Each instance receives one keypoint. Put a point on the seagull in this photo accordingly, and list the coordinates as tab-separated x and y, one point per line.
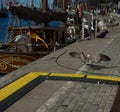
88	59
19	37
103	34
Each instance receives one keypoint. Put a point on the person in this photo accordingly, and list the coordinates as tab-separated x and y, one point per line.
80	8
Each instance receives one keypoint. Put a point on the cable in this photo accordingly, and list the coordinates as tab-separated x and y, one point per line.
61	64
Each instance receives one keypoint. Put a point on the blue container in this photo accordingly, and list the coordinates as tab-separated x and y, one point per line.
55	23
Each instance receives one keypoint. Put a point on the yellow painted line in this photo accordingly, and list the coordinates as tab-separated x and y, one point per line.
108	78
87	76
21	82
67	75
18	84
41	73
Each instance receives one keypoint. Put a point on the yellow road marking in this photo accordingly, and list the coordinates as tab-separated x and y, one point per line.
18	84
41	73
21	82
108	78
13	87
67	75
87	76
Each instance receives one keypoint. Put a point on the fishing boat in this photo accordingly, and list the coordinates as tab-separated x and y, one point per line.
25	48
26	44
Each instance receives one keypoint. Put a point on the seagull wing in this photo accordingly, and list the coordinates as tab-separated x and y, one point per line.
17	38
102	57
83	57
74	54
25	36
79	55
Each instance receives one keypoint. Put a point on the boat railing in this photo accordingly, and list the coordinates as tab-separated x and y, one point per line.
23	47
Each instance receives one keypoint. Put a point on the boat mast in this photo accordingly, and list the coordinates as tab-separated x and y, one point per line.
45	5
27	3
60	4
1	7
64	5
57	3
32	3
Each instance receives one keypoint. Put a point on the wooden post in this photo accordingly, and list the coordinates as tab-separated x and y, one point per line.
83	32
95	36
45	5
64	5
89	25
54	36
32	3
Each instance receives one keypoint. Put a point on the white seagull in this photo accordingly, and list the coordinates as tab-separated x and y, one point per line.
88	59
19	37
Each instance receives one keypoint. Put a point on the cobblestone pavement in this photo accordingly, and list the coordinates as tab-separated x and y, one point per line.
89	97
62	96
112	67
82	97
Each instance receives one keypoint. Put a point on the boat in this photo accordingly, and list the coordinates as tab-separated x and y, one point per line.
26	44
45	17
17	53
23	48
27	47
12	61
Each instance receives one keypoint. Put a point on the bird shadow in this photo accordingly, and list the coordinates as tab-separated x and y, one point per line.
99	67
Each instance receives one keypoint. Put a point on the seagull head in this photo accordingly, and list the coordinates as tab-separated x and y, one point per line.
88	55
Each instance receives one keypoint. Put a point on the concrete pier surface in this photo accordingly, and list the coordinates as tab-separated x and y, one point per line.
71	96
